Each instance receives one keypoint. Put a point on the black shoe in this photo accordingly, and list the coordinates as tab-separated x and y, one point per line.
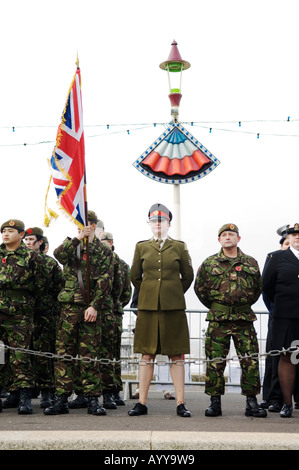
94	408
265	404
138	409
25	407
182	411
286	411
45	400
215	407
108	401
296	405
253	409
117	399
79	402
12	401
60	407
275	407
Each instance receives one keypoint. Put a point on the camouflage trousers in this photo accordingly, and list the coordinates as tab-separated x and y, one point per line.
75	336
107	350
117	345
15	332
217	345
43	339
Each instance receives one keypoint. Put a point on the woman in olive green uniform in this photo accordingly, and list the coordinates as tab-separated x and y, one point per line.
161	272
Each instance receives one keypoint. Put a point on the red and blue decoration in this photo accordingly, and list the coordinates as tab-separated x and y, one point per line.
176	157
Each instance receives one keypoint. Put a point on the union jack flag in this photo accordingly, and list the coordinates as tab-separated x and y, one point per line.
68	157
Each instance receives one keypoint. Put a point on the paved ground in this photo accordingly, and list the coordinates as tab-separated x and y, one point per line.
161	429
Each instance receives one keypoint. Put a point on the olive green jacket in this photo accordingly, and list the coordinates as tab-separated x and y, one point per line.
161	276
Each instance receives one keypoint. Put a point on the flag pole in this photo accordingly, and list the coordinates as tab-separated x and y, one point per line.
86	224
87	245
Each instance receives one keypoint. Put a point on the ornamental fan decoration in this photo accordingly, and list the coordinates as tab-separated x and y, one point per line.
176	157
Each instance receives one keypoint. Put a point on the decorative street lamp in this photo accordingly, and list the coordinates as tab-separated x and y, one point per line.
175	66
176	156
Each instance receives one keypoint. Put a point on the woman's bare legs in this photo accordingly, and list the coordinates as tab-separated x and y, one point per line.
177	372
146	371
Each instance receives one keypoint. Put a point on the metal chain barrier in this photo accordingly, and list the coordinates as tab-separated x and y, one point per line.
129	360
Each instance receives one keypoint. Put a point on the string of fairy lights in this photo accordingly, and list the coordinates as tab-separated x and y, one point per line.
233	126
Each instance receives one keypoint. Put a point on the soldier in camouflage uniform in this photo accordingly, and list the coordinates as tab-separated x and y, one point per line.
22	284
46	317
228	283
121	294
80	329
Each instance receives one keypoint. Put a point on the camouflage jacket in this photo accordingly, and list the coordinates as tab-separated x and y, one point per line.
234	283
49	302
119	291
100	271
23	279
126	288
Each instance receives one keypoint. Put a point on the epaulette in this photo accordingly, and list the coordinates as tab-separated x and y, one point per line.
142	241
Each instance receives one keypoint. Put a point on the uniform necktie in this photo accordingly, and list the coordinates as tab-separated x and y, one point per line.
159	241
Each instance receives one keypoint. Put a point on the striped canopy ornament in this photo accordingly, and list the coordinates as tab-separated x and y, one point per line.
176	157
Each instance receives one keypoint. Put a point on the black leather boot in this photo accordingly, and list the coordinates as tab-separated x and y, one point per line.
60	407
79	402
215	407
12	401
45	400
253	409
117	399
94	408
108	401
25	407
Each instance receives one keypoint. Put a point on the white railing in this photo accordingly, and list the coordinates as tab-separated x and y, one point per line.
195	368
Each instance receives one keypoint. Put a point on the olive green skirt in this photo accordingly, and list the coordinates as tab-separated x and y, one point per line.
162	332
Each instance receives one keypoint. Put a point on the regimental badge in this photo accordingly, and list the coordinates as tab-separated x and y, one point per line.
11	223
231	226
156	212
29	231
296	227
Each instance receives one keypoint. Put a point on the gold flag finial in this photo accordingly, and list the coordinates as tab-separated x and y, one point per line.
77	61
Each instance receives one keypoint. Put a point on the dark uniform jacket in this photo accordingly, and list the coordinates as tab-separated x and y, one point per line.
281	283
161	276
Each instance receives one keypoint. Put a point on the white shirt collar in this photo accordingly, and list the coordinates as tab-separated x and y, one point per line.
296	252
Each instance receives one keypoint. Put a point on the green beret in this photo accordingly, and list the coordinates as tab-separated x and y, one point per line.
229	228
92	217
107	236
34	231
14	223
